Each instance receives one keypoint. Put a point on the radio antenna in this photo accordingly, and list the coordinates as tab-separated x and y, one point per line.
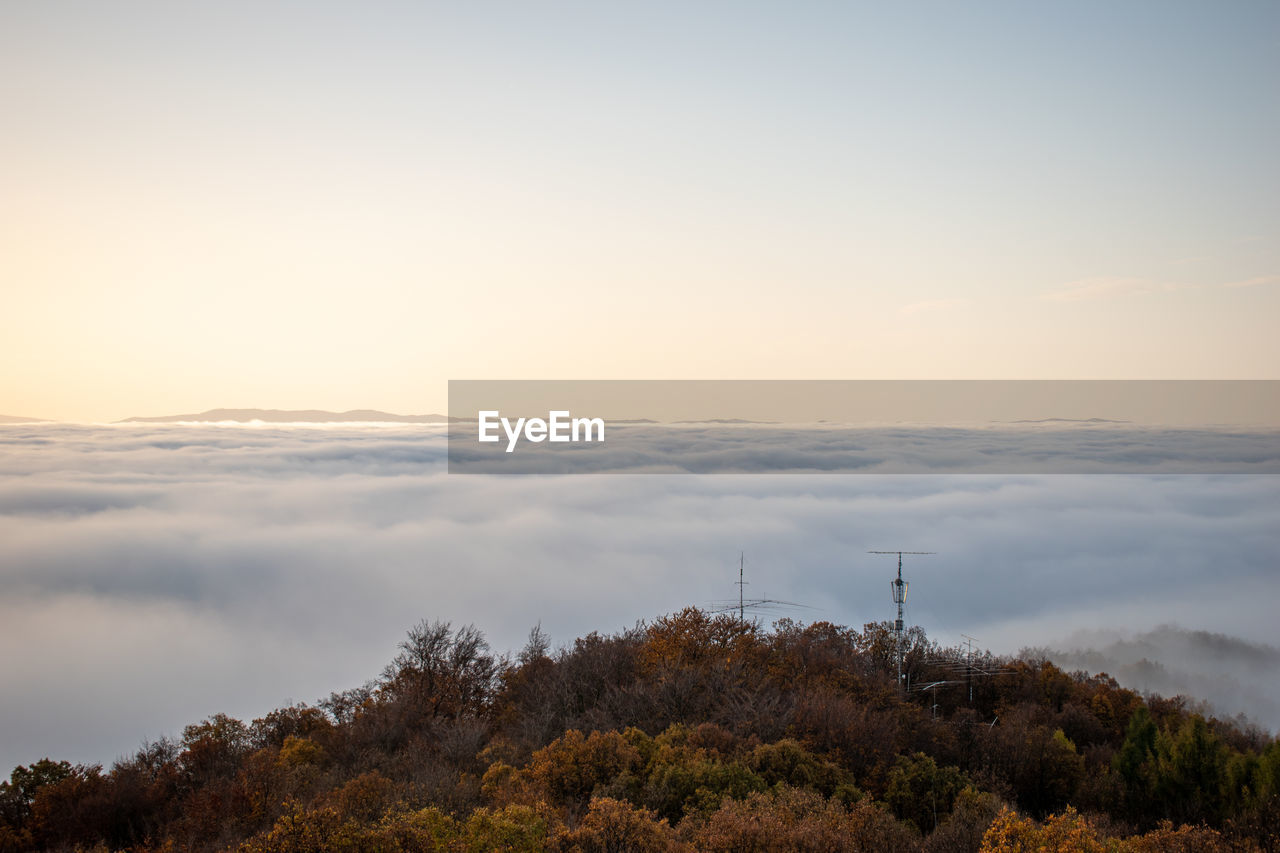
899	588
755	605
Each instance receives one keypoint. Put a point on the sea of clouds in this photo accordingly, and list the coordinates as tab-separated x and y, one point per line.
151	575
1043	447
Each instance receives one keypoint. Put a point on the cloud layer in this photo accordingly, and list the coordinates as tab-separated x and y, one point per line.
1050	446
152	575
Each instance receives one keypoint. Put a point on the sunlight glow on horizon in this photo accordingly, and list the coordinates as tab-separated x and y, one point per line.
326	207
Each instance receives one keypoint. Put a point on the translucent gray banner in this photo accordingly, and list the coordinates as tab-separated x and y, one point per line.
863	427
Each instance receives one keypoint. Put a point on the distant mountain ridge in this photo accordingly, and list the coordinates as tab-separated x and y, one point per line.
319	416
16	419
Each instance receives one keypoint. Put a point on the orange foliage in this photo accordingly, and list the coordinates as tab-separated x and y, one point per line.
568	770
614	826
1071	832
792	820
697	640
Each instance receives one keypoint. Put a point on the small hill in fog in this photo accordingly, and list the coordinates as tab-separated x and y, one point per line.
1231	675
318	416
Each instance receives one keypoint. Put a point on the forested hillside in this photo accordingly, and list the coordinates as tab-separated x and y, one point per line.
695	732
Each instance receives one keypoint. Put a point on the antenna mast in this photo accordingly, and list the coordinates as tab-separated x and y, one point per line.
899	589
968	665
742	607
756	604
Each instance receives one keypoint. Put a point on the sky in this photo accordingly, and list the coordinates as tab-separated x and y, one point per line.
329	205
154	575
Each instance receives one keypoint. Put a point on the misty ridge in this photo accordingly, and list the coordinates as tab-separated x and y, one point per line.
1228	676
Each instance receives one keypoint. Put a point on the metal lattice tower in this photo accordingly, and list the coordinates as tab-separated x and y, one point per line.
899	589
742	606
968	664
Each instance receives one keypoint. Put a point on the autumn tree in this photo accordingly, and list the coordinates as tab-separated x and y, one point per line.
441	672
17	794
922	793
616	826
1192	775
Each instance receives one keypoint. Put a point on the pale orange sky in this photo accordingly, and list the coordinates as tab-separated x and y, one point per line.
345	207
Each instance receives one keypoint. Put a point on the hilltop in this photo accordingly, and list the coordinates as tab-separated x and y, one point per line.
693	732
